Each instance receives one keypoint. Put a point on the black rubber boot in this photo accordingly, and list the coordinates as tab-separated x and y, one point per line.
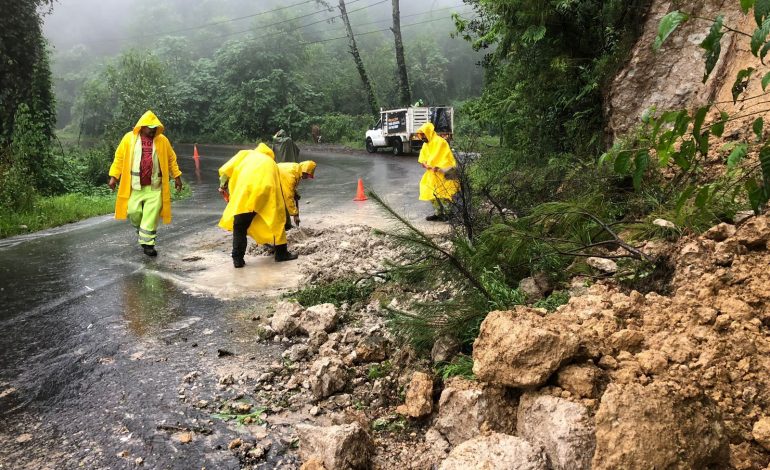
239	262
149	250
282	254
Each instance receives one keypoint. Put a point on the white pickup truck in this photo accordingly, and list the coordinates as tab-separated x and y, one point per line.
396	127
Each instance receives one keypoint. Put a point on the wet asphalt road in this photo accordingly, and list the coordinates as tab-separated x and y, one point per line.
95	339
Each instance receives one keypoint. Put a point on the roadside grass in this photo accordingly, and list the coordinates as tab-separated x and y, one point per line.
336	292
53	211
48	212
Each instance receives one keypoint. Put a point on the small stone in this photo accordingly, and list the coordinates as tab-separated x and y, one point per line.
24	438
664	223
234	443
602	264
580	379
315	411
608	362
419	396
242	408
122	454
761	432
720	232
139	461
722	322
444	349
312	464
185	437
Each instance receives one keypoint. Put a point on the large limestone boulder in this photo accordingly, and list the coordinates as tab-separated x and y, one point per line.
639	428
327	376
520	349
563	428
419	396
467	408
672	77
321	317
286	319
494	452
345	447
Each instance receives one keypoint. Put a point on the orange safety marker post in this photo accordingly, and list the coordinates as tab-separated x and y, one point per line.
360	196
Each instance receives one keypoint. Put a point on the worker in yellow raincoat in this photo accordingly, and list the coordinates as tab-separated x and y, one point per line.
291	175
439	184
256	206
144	162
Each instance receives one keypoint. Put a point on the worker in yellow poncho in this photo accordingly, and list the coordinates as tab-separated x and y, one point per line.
144	161
439	183
291	175
256	206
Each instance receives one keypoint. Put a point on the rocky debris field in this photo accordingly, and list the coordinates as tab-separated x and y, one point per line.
613	379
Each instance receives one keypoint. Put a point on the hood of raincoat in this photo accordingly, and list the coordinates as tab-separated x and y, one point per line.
308	166
436	152
149	119
264	149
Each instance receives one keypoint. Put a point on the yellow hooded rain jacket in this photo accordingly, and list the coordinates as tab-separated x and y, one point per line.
291	174
255	186
436	154
122	164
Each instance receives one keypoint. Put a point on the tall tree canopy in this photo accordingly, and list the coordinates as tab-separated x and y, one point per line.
24	70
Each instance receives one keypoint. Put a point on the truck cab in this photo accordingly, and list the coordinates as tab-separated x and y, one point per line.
396	128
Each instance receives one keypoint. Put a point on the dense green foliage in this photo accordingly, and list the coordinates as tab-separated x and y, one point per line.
26	104
241	82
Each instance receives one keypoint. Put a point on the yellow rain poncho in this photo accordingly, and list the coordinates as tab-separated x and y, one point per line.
255	186
121	166
434	155
291	174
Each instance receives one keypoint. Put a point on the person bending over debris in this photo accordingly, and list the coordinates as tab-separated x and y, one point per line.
144	161
438	184
284	148
256	205
291	175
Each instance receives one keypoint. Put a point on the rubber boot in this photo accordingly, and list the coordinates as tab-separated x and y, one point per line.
239	262
282	254
149	250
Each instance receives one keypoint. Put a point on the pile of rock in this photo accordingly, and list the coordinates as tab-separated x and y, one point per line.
618	379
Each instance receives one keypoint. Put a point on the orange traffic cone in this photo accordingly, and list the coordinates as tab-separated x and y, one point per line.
360	196
197	160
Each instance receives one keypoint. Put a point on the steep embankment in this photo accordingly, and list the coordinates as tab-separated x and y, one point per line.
672	77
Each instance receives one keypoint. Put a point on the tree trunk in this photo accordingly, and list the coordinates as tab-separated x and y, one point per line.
359	63
405	96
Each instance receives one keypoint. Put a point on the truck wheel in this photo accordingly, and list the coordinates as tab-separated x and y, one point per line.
398	147
370	146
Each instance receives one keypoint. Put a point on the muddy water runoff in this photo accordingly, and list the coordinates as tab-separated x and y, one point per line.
96	338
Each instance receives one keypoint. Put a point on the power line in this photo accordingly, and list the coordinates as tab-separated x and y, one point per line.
359	25
297	18
369	32
215	23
